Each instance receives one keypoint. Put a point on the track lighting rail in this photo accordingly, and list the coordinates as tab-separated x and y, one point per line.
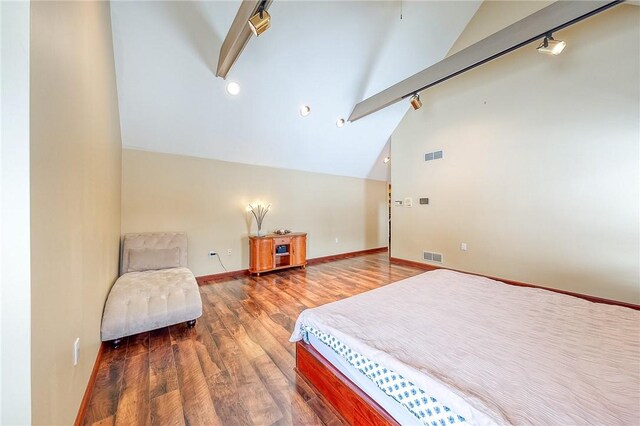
239	34
534	27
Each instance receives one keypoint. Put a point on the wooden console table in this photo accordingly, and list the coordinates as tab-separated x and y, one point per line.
274	251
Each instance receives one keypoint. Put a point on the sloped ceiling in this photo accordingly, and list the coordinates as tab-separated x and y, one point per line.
328	55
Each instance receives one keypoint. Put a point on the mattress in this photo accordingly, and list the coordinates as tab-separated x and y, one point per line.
391	406
405	402
492	353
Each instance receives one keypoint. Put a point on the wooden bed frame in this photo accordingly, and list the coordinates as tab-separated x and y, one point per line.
348	399
358	408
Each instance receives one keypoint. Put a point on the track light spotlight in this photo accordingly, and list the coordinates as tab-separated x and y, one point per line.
261	21
551	46
340	122
415	101
386	160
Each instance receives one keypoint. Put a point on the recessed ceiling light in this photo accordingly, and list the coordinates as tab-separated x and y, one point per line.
233	88
386	160
340	122
305	110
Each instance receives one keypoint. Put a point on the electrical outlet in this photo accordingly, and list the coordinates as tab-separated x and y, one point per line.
212	253
76	351
228	252
337	240
463	246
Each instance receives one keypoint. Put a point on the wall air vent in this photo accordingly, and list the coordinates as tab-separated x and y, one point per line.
432	257
433	156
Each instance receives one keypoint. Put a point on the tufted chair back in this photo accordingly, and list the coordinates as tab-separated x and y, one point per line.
153	240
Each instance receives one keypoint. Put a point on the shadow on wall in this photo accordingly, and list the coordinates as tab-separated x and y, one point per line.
374	57
374	218
190	18
379	164
248	217
377	219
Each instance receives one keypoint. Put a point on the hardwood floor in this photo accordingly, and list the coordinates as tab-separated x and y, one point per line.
236	367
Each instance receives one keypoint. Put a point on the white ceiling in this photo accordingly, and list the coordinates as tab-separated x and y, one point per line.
329	55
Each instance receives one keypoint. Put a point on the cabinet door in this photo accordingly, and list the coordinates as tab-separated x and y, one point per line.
262	256
299	250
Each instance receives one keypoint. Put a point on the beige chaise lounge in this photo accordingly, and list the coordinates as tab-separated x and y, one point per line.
155	288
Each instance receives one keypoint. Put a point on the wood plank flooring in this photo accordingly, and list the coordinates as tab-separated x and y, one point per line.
236	367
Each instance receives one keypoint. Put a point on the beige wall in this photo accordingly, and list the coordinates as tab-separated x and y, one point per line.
75	197
540	175
208	199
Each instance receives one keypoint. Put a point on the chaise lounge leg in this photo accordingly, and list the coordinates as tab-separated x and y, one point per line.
191	323
116	343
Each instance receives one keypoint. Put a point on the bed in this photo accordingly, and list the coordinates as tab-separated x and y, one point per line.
447	348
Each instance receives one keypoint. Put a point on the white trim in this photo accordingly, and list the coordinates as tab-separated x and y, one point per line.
15	264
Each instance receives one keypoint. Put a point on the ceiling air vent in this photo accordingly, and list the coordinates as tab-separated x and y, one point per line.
432	257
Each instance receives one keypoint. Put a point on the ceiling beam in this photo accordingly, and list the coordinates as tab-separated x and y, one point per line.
238	36
554	17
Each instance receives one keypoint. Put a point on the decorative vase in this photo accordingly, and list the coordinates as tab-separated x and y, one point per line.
259	212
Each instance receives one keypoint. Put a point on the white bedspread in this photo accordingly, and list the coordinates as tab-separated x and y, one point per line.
495	353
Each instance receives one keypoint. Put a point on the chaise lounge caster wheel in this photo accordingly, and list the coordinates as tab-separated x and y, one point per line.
115	344
191	323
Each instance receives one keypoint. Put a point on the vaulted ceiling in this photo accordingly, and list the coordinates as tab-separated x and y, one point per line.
328	55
